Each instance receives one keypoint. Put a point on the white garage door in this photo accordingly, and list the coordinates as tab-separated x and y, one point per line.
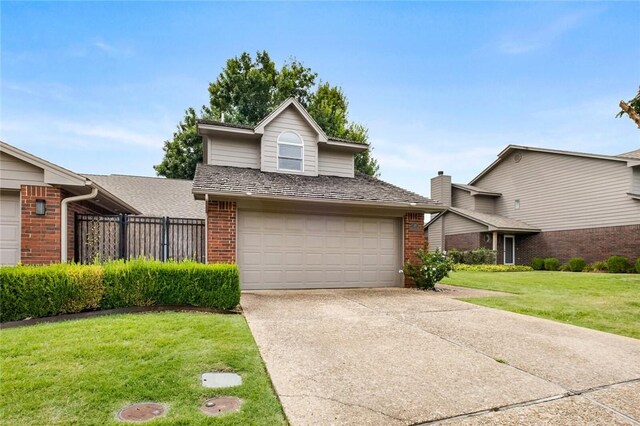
277	250
9	228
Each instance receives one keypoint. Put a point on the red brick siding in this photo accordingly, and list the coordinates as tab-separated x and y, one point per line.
221	231
593	244
40	235
463	242
414	240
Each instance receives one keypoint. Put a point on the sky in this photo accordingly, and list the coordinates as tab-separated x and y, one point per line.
96	87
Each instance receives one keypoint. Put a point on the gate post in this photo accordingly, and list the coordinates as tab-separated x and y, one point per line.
123	236
76	237
165	238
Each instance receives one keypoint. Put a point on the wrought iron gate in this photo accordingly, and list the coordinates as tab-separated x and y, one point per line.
108	237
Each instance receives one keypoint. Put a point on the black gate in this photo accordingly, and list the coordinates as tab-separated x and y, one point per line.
108	237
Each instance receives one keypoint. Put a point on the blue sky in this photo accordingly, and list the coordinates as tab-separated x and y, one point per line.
97	87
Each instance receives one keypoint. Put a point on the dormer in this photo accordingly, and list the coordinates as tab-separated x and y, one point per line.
287	141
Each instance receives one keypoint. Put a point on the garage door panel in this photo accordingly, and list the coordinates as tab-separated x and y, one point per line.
315	251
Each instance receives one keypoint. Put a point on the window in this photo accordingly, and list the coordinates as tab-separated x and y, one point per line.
516	204
290	149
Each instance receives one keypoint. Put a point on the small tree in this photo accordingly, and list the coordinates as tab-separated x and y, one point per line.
429	269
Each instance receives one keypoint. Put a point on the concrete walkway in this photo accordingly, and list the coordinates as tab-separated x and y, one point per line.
401	357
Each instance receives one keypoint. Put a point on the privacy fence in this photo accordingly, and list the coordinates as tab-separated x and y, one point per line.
108	237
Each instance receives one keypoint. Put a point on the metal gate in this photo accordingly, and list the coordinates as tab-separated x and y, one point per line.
108	237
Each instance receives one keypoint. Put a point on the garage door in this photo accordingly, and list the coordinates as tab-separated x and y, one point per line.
9	228
315	251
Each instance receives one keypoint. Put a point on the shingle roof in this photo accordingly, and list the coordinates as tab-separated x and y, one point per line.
475	189
361	188
154	196
494	220
631	154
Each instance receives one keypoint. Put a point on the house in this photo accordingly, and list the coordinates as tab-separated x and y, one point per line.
536	202
38	200
284	202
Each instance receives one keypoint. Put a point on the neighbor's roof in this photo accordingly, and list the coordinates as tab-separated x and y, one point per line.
475	190
631	154
154	196
493	222
361	189
510	148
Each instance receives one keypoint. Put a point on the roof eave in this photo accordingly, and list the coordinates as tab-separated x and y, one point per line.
404	206
203	128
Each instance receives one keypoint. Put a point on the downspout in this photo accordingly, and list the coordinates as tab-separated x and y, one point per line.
206	228
64	234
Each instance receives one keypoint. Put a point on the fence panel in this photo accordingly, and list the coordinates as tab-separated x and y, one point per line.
108	237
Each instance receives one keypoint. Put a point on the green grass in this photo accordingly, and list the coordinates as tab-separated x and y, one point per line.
82	372
606	302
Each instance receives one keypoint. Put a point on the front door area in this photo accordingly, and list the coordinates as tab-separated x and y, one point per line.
509	250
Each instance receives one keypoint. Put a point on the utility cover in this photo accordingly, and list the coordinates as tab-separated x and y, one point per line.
220	406
141	412
221	380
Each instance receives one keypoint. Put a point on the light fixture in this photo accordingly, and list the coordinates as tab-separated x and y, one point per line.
249	193
41	207
412	204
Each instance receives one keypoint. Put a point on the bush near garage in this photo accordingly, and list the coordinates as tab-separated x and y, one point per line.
429	269
39	291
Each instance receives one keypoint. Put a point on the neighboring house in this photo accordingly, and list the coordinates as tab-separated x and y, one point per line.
284	202
38	201
154	196
535	202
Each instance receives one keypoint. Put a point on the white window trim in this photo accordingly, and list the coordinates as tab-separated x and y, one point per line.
504	250
301	145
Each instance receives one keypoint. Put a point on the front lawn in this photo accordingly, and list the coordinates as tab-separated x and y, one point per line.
607	302
82	372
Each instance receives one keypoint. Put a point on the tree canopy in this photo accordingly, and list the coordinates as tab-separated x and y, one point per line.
245	92
631	108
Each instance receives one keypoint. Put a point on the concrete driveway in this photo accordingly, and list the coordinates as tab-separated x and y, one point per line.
401	356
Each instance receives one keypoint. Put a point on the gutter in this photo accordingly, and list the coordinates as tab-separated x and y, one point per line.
63	211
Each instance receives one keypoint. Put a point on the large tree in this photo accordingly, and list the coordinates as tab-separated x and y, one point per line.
245	92
631	108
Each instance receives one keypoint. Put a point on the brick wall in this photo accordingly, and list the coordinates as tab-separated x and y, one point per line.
221	231
594	244
40	235
413	238
463	242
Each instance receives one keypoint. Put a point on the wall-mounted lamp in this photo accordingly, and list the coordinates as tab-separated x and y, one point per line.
41	207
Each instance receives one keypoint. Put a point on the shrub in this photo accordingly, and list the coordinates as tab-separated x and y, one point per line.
537	264
493	268
39	291
479	256
551	264
455	255
596	267
144	283
638	265
429	269
618	264
576	264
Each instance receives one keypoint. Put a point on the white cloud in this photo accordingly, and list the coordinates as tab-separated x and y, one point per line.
111	49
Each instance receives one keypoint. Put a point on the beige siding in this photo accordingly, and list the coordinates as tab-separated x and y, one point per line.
335	163
434	235
235	151
635	186
9	227
289	119
484	204
461	199
15	172
563	192
460	225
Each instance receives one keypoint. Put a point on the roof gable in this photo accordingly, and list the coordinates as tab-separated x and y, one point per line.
291	102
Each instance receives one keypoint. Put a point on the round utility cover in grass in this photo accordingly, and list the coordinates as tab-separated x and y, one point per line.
141	412
221	405
221	380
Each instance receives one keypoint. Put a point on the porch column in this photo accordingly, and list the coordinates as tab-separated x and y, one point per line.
495	245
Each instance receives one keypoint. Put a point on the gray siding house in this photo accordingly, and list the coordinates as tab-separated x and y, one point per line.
283	201
543	202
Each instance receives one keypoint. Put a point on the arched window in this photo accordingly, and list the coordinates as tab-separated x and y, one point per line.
290	151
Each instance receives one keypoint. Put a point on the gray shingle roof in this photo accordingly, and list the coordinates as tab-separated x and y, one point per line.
631	154
494	220
475	189
361	188
154	196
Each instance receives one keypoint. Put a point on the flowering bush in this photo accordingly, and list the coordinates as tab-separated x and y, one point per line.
429	269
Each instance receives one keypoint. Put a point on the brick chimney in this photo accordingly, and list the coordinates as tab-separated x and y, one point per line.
441	188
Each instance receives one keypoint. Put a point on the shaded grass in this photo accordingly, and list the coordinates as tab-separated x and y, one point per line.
606	302
82	372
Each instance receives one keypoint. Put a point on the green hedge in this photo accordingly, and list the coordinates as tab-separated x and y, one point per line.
39	291
492	268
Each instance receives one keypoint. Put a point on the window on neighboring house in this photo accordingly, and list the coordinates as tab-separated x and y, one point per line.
290	152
